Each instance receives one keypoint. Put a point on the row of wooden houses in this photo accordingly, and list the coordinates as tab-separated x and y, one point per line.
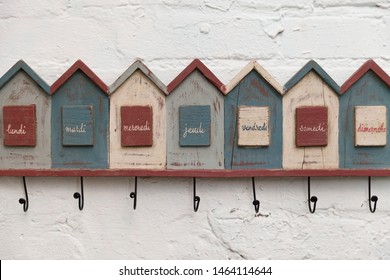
196	122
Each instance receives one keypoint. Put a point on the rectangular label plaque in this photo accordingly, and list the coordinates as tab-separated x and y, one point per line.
136	126
194	126
77	125
253	126
370	125
311	126
19	124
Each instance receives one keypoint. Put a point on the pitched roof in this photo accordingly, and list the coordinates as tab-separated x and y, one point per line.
196	64
367	66
78	65
253	65
138	65
21	65
312	65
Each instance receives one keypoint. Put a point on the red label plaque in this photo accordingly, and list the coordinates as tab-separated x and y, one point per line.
19	124
136	126
312	126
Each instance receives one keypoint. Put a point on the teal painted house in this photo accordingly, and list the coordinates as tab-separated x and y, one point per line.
79	120
364	119
253	120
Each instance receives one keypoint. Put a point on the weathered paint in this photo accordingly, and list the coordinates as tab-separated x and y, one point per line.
19	125
21	86
311	126
253	126
370	125
79	86
368	86
252	89
136	126
197	86
311	86
215	173
77	125
137	86
194	126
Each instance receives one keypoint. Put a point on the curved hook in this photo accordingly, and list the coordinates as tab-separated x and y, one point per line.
22	200
311	199
196	198
133	194
77	195
255	202
373	198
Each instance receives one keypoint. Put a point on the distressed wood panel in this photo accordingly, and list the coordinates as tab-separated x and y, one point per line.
77	125
253	90
79	90
195	90
368	90
137	126
311	126
19	123
138	90
217	173
310	90
253	126
194	126
21	90
370	125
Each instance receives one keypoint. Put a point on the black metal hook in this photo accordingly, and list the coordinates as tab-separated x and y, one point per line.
373	198
77	195
196	198
22	200
133	194
311	199
256	202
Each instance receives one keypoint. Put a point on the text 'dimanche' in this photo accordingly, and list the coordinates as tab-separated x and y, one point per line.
370	125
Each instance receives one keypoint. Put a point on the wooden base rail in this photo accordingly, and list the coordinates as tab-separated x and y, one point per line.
195	173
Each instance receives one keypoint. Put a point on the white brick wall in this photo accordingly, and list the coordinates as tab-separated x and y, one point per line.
167	35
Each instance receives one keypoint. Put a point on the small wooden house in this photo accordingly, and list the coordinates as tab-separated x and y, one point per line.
364	112
79	122
310	120
253	120
195	120
138	120
25	113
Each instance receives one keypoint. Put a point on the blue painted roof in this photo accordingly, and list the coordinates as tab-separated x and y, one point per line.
21	65
312	65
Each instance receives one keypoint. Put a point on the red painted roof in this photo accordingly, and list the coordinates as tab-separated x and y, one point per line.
79	65
195	64
368	65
